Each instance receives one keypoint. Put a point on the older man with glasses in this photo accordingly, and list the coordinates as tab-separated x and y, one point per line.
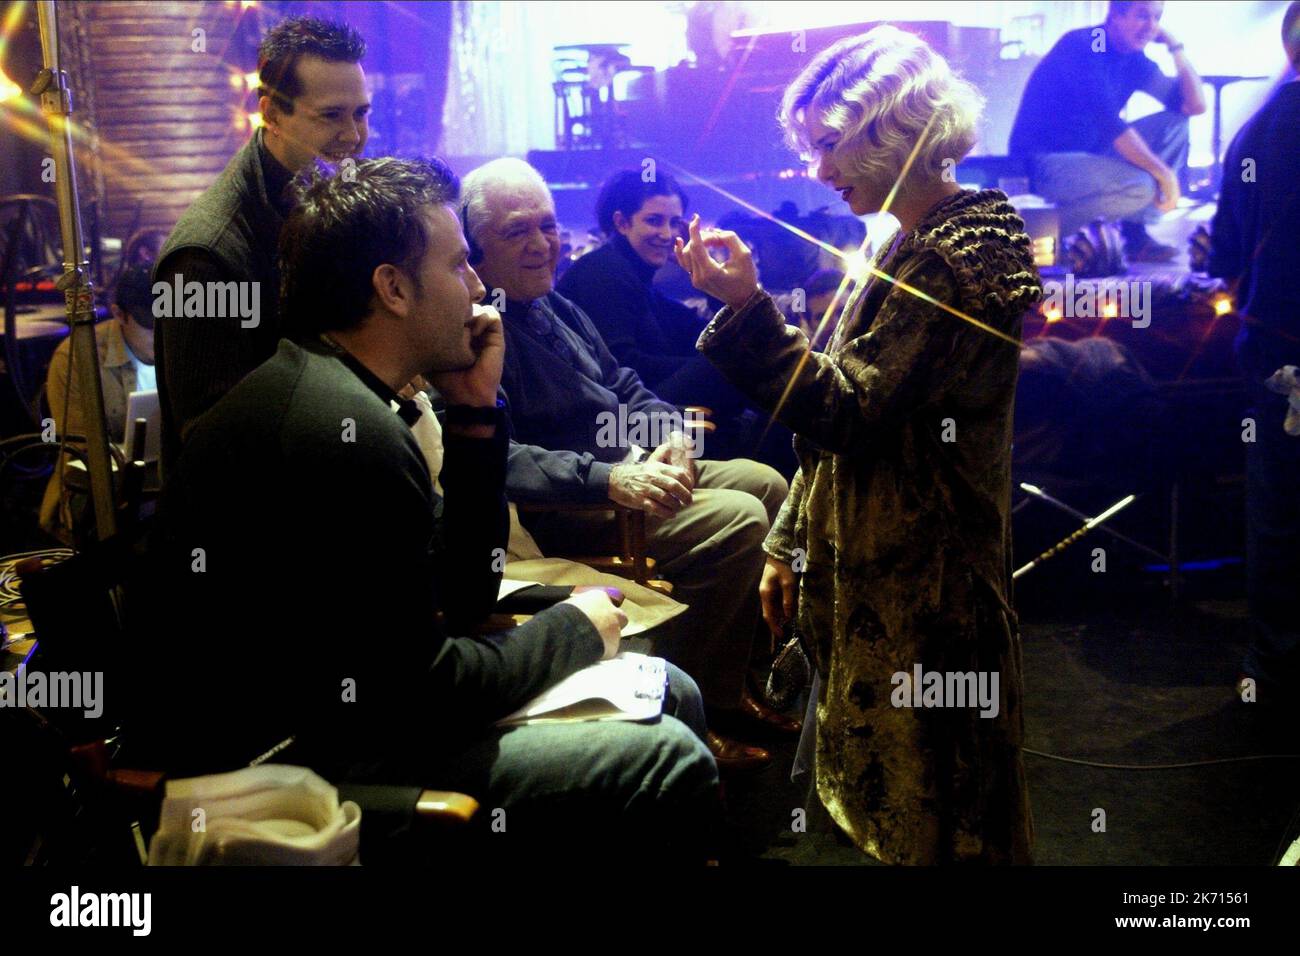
707	519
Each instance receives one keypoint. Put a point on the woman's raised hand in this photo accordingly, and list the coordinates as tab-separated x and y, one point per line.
732	281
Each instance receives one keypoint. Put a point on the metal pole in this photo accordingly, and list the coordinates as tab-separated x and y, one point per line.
1066	542
56	103
1075	512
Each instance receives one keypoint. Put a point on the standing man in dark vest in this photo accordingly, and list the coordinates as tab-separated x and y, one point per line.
1254	247
313	104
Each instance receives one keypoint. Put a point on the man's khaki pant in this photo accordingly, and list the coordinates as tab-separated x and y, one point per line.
712	553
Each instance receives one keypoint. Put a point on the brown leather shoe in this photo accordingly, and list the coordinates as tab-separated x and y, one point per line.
732	755
771	720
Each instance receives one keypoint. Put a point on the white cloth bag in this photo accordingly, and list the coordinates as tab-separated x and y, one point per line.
275	815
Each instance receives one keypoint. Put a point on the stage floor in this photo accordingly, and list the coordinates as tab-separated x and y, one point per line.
1125	687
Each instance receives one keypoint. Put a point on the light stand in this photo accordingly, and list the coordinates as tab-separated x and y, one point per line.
56	103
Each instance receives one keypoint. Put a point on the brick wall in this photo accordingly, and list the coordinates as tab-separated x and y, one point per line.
168	118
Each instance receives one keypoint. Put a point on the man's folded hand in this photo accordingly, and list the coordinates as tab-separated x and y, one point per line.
653	486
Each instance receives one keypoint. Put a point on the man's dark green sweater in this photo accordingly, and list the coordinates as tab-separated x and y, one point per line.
308	561
231	233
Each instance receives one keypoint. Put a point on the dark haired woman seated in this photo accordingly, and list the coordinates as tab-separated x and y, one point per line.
645	329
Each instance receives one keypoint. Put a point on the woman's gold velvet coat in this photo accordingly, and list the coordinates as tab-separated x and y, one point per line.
899	521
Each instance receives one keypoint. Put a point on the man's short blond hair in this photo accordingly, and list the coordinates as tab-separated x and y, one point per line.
878	91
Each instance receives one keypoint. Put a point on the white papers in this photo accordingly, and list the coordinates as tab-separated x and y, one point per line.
627	687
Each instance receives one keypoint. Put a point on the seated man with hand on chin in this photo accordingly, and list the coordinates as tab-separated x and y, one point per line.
707	519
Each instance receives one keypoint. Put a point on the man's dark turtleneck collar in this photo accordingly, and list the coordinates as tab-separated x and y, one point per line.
276	175
406	408
644	270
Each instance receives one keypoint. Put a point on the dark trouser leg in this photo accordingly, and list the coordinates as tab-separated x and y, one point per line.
773	444
697	382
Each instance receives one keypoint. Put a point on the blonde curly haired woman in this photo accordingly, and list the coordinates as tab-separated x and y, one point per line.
898	520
